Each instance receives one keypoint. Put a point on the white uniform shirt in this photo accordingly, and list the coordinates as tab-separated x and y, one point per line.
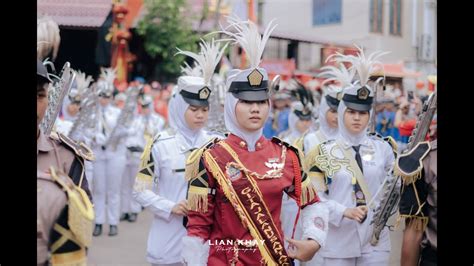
152	123
349	238
169	188
106	120
313	139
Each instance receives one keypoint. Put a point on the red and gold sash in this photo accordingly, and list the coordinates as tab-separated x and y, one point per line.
243	192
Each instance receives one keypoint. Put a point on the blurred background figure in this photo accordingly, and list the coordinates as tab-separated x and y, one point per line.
277	121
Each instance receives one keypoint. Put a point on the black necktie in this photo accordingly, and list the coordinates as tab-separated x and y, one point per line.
359	201
103	128
358	159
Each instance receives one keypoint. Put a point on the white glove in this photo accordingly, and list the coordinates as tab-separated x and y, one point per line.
195	251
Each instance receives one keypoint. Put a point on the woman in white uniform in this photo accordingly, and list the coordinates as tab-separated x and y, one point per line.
350	170
166	197
327	111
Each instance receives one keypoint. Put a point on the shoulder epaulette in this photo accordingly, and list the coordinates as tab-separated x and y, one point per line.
410	165
393	144
192	162
391	141
144	177
289	146
375	134
79	148
196	174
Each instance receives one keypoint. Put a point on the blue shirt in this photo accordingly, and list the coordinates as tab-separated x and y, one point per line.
269	131
389	128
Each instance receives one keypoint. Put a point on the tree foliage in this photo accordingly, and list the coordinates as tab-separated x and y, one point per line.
167	25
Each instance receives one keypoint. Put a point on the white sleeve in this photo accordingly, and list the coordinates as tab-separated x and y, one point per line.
157	204
335	209
315	222
195	251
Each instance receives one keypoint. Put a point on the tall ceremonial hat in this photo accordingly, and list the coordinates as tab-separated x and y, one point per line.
105	86
343	78
359	95
250	84
302	107
195	87
83	82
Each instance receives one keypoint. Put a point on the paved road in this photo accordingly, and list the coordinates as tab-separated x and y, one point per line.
129	246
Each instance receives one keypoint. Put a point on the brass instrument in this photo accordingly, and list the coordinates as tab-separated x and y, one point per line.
391	195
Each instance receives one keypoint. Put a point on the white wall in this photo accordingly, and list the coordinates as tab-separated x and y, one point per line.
295	16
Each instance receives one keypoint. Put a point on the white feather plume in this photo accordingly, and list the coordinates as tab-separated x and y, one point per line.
246	34
194	71
108	74
82	82
48	38
342	75
364	66
207	59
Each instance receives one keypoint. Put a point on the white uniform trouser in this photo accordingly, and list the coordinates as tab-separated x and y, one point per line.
89	166
173	264
289	210
128	203
108	173
374	258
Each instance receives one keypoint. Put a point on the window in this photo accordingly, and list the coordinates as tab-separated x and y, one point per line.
376	16
326	12
396	17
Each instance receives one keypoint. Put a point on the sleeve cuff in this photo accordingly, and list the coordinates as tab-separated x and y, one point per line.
315	222
336	213
158	205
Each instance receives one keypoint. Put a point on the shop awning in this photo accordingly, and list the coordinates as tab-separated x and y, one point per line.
75	13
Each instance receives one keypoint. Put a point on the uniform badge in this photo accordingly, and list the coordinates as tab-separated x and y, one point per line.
367	154
359	195
255	78
233	173
367	157
319	222
275	166
204	93
363	93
